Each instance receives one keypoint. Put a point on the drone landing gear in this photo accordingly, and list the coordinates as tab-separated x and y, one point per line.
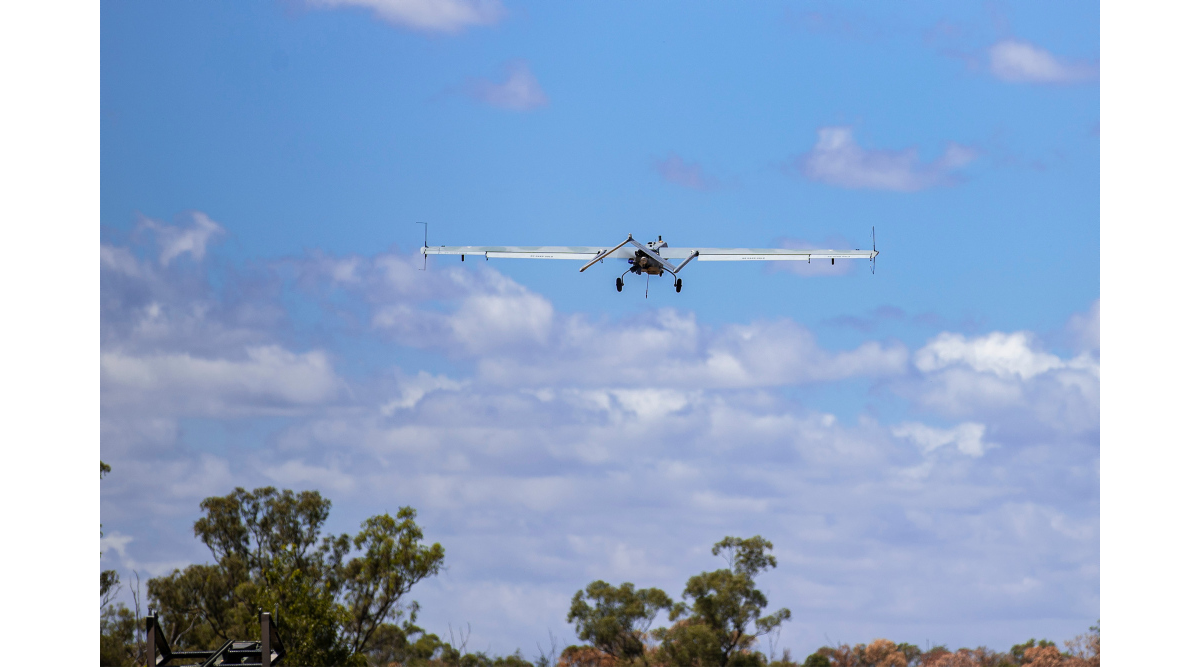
621	283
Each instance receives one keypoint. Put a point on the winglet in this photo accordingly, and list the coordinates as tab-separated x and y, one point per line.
424	246
874	252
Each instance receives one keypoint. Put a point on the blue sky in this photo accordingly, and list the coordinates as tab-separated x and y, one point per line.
920	444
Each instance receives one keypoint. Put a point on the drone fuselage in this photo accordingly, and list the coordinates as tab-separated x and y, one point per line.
643	264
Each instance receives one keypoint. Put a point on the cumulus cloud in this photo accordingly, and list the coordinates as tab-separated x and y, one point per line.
444	16
1005	378
690	175
1021	62
1004	354
518	339
546	449
837	159
267	378
519	91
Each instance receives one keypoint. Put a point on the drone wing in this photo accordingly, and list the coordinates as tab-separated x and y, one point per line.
628	249
518	251
764	254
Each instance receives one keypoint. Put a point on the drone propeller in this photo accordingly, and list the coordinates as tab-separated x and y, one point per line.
425	263
873	250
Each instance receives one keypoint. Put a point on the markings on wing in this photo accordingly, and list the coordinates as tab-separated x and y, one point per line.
706	254
519	252
765	254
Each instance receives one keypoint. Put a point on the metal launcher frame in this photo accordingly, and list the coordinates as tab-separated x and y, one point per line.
267	651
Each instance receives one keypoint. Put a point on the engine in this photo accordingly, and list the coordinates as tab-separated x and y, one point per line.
643	264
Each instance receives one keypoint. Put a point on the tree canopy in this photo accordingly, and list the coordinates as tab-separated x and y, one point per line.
329	593
619	618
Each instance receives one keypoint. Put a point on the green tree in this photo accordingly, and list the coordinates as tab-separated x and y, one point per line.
405	644
725	614
119	646
817	660
270	554
393	560
619	618
309	615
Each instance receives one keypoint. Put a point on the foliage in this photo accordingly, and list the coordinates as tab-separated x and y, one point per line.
585	656
393	560
619	622
308	615
726	611
817	660
402	645
410	646
271	555
1082	651
343	601
119	641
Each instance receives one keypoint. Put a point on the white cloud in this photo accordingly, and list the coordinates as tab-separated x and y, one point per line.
119	260
414	389
520	91
176	241
999	353
446	16
541	461
516	338
966	437
837	159
115	541
1021	62
514	316
1004	378
676	352
267	379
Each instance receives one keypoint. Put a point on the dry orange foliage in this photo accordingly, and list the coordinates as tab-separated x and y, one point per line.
585	656
883	653
963	657
1083	651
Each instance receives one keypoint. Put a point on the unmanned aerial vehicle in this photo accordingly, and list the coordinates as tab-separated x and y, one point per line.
654	258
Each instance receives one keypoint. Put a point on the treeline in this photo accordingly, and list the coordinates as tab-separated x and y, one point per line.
343	600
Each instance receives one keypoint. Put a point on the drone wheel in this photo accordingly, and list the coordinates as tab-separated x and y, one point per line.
679	284
620	284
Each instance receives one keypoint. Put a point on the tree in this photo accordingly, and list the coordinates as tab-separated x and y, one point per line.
270	554
817	660
404	644
310	617
619	622
725	615
393	560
